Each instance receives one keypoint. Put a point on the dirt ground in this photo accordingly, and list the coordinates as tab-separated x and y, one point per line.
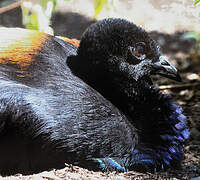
180	52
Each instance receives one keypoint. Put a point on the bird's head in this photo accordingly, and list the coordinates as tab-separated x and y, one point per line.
119	46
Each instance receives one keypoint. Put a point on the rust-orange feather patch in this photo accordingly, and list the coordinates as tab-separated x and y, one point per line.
18	46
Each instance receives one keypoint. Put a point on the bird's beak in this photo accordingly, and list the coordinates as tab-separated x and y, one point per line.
164	68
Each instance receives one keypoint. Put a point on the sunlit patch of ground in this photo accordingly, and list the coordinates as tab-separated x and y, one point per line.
165	16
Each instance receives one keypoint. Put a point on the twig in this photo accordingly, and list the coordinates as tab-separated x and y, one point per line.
10	6
177	86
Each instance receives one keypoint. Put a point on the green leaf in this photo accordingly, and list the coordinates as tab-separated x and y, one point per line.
196	2
98	6
192	35
36	15
29	19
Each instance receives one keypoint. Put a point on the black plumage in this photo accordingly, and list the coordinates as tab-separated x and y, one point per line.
52	113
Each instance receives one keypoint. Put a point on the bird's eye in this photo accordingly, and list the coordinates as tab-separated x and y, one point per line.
139	50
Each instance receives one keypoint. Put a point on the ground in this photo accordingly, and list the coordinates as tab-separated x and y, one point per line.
187	93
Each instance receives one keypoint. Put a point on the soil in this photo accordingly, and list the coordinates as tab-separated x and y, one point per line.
187	94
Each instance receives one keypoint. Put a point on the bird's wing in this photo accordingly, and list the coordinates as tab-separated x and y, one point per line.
29	61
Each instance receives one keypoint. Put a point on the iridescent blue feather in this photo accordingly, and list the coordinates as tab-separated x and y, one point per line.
168	153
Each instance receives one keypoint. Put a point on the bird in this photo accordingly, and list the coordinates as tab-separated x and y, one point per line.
90	103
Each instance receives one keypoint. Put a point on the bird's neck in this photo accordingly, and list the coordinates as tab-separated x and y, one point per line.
145	107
